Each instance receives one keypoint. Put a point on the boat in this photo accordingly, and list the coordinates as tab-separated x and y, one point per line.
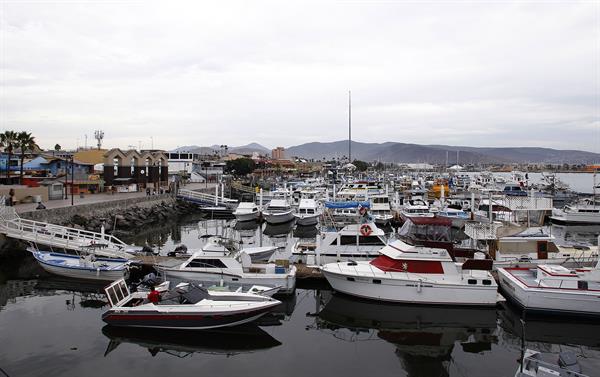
457	216
381	209
583	212
415	207
533	364
233	270
308	212
89	267
246	211
553	289
188	306
278	211
412	273
353	242
224	246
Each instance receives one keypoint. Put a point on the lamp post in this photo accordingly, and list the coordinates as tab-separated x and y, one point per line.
72	178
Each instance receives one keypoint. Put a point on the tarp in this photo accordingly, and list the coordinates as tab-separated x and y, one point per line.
348	204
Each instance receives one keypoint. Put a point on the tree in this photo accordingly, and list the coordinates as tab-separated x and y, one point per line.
8	140
360	165
56	149
25	142
240	166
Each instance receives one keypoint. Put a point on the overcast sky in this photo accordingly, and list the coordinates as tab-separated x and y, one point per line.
277	73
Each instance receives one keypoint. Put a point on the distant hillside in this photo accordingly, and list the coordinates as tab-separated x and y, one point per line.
243	149
436	154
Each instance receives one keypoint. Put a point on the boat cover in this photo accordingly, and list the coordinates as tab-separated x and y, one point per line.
347	204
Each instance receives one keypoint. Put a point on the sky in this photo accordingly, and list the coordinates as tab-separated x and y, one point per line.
169	74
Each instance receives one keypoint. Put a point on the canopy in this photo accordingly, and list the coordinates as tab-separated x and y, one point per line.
347	204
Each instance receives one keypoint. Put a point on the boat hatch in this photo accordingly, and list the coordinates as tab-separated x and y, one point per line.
117	292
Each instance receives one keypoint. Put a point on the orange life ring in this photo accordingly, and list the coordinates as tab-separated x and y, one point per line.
365	230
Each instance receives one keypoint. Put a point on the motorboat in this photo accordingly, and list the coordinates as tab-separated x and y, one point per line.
553	289
278	211
416	274
224	246
415	207
353	242
584	212
381	209
246	211
457	216
308	212
188	306
89	267
533	364
233	270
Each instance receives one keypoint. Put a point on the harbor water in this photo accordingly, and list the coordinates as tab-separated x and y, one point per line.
52	327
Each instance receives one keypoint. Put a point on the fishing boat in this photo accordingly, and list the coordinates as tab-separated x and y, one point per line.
225	246
246	211
585	211
553	289
308	212
186	307
233	270
381	209
89	267
416	274
278	211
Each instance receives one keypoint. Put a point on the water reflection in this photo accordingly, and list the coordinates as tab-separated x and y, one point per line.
179	343
548	329
310	232
278	230
424	336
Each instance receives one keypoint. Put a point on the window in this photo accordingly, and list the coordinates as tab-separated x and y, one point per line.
376	281
207	263
370	240
347	240
472	281
486	282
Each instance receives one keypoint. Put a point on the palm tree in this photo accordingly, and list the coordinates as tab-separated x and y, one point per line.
8	140
25	142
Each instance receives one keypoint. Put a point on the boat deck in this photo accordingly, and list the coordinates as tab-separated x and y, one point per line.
528	277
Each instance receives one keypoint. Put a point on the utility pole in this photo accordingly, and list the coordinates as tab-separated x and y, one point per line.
349	126
72	177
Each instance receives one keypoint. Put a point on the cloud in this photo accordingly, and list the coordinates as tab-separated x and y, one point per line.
197	73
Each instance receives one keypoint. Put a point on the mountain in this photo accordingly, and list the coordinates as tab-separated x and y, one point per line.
244	149
437	154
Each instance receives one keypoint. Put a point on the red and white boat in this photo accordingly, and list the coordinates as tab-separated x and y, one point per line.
416	274
553	289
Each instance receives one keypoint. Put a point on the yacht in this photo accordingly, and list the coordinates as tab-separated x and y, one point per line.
457	216
278	211
415	274
308	212
553	289
381	209
224	246
246	211
353	242
583	212
415	207
234	270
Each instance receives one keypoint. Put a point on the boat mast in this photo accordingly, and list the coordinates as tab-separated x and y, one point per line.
349	127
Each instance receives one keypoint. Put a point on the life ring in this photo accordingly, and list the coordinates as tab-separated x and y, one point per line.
365	230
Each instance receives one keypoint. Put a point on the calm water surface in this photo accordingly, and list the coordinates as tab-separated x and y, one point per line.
52	327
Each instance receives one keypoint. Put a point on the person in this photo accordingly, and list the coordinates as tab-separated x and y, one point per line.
154	295
147	191
11	197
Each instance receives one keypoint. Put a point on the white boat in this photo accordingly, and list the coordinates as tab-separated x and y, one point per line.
381	209
87	267
246	211
415	207
553	289
224	246
308	212
583	212
278	211
414	274
534	365
353	242
232	270
187	307
457	216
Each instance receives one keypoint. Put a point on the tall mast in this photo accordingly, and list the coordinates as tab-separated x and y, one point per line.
349	126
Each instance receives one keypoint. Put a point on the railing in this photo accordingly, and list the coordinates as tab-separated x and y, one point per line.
528	203
204	197
482	231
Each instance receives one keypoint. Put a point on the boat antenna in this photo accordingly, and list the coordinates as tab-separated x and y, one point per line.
350	126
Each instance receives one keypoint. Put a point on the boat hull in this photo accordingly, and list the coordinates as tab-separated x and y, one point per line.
411	291
246	216
278	218
97	274
181	320
571	302
307	220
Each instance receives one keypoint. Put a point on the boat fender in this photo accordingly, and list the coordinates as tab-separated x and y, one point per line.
366	230
419	286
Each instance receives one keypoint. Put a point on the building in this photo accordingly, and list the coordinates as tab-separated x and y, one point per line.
132	170
278	153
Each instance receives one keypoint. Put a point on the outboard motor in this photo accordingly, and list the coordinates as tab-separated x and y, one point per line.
181	249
